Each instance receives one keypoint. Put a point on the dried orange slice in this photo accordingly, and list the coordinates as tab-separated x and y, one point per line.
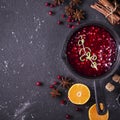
79	94
93	115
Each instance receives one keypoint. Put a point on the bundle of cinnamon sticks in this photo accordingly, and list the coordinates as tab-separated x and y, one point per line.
111	10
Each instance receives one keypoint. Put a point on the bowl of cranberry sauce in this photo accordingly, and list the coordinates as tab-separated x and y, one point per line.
92	50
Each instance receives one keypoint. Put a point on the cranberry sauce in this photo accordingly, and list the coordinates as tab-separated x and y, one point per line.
91	51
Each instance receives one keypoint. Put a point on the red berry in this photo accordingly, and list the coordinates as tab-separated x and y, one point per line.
73	27
59	77
72	20
38	83
50	13
52	5
47	4
68	116
55	83
51	86
63	16
70	17
59	22
69	20
62	102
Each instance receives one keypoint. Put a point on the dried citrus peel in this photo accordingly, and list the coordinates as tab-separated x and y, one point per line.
84	53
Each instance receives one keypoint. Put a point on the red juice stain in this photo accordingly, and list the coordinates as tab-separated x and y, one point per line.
98	48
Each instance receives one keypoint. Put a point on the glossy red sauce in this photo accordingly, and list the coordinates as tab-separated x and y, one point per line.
91	51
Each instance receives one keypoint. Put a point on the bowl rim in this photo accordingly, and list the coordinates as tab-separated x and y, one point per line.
118	98
113	67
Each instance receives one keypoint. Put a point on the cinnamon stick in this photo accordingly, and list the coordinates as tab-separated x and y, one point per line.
109	10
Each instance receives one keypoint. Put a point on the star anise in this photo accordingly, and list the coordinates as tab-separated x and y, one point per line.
69	10
55	93
65	82
78	15
75	2
58	2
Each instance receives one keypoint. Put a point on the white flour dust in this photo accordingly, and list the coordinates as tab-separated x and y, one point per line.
20	110
15	37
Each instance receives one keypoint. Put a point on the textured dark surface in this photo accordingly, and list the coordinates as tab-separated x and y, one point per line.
30	50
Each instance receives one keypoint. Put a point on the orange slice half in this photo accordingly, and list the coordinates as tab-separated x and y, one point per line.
93	115
79	94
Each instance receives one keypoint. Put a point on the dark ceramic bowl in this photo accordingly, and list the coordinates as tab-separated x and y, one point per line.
99	88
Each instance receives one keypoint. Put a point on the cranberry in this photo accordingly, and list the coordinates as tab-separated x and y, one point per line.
69	20
70	16
73	26
62	102
63	15
47	4
38	83
55	83
68	116
59	77
50	13
52	5
51	86
72	20
59	22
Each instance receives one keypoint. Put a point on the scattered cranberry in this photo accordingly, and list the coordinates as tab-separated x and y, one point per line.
70	17
72	20
73	26
47	4
51	86
59	22
62	102
52	5
63	15
69	20
59	77
38	83
55	83
68	116
50	13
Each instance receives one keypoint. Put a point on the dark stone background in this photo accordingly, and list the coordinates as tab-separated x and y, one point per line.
30	50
